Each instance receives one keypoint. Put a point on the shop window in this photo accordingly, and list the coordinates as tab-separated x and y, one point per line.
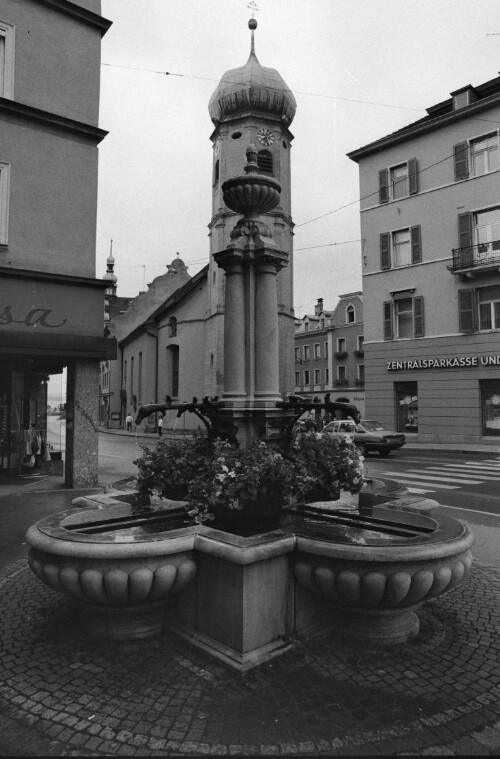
6	60
403	247
398	182
406	394
490	404
476	157
4	202
404	318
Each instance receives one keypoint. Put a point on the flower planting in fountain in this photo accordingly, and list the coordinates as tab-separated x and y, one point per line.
225	485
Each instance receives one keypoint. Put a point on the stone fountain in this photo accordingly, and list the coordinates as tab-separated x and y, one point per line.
246	599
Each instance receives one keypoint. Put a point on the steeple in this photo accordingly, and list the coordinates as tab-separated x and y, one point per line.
110	274
252	87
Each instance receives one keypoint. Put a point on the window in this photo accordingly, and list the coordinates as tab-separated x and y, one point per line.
326	349
476	157
216	171
479	309
484	155
6	60
4	202
297	355
361	373
265	161
317	350
306	377
398	181
490	403
400	248
317	376
341	345
139	380
297	379
327	376
307	353
173	371
350	315
172	326
406	394
479	236
341	374
404	318
361	341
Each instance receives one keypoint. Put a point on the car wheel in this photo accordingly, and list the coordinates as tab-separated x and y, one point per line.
384	454
362	448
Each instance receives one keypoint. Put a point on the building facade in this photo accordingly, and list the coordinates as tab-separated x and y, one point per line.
51	303
430	222
329	353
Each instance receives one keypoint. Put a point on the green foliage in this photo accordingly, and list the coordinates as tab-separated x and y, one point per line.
240	480
219	480
168	469
329	462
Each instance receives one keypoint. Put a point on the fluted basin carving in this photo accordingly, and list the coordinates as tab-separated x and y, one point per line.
124	576
376	587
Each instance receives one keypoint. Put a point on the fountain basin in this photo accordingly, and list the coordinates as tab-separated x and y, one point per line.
244	600
376	581
124	577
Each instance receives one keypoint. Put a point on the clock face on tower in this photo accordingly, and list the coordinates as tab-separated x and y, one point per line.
265	136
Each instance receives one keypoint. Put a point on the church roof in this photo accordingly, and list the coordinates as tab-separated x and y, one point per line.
252	87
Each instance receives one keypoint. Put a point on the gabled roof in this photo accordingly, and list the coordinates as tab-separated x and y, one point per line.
487	95
172	300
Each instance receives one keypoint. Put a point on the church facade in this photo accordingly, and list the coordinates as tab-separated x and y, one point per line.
174	344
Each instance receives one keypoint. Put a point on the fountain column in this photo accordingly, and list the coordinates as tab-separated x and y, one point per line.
234	328
252	261
266	330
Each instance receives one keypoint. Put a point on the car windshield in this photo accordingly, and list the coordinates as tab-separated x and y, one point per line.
372	426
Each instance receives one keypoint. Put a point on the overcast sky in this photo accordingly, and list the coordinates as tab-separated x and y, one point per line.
359	69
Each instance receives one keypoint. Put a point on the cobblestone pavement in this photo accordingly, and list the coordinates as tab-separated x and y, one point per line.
62	694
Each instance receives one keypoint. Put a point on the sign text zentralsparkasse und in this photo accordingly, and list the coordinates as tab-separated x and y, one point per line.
452	362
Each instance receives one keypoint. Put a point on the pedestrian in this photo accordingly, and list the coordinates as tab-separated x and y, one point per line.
160	425
129	421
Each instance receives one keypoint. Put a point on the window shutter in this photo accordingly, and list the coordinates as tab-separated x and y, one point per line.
388	320
464	230
416	245
461	158
383	186
385	250
467	310
418	317
413	176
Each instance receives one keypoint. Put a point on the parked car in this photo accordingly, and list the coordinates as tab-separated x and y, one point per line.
368	435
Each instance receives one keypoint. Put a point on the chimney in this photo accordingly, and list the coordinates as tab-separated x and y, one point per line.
318	308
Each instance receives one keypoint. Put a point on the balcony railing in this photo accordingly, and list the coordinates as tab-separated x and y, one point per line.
341	382
340	355
486	254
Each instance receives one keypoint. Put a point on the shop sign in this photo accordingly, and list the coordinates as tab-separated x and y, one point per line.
50	307
452	362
